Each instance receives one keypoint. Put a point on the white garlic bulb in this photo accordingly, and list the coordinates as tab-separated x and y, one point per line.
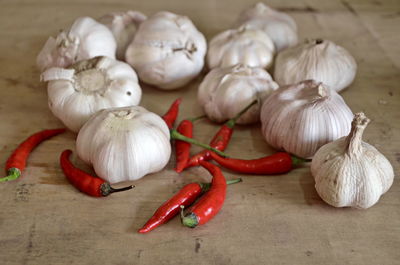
84	40
123	25
167	50
350	172
89	86
124	143
303	117
280	27
321	60
244	45
224	92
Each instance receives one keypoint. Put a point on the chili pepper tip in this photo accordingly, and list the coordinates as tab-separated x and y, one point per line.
12	174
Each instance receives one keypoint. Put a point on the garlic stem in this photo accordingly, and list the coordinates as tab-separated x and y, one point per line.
177	136
354	139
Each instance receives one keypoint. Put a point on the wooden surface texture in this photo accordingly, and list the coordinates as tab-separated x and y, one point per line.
265	220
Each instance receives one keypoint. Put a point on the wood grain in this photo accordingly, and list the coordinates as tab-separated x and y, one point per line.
266	220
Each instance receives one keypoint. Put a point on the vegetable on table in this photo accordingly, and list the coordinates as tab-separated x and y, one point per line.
349	172
182	149
220	140
278	163
185	196
170	116
88	184
211	202
16	163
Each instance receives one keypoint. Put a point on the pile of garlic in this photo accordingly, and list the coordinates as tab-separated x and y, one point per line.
259	32
95	95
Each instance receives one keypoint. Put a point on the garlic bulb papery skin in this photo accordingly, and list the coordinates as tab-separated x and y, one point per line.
349	172
301	118
123	25
84	40
321	60
88	86
244	45
124	144
167	51
224	92
280	27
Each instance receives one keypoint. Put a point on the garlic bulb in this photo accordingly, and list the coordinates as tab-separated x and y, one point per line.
350	172
321	60
280	27
224	92
243	45
167	50
89	86
84	40
302	117
124	143
123	25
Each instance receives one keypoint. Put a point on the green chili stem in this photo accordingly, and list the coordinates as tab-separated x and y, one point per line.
177	136
298	161
197	118
12	174
231	123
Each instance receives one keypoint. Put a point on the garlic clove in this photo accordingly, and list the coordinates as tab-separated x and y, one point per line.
124	144
349	172
167	50
226	91
321	60
243	45
300	118
280	27
89	86
85	39
123	25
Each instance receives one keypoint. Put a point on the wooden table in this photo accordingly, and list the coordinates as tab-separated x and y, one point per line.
265	220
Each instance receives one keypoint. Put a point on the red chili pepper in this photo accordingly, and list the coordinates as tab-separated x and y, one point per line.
84	182
182	149
16	163
185	196
211	203
170	116
274	164
221	139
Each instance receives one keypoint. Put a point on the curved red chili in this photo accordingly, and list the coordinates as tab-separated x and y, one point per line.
185	196
221	139
278	163
84	182
16	163
170	116
211	203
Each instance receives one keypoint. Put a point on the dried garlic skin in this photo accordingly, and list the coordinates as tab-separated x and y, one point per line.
226	91
301	118
244	45
349	172
84	40
280	27
123	25
76	93
167	51
321	60
124	144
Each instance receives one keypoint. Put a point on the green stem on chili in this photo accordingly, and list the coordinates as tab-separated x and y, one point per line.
178	136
